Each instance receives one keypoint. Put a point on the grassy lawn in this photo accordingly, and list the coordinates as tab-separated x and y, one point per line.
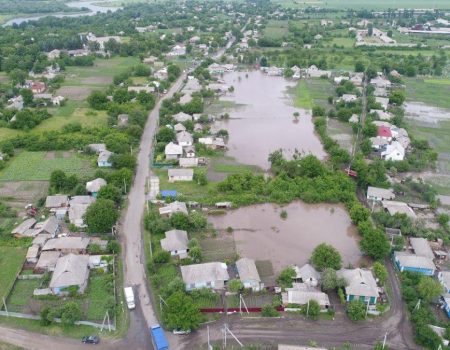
276	29
5	346
21	295
233	168
100	295
434	92
312	91
11	260
345	42
40	165
71	114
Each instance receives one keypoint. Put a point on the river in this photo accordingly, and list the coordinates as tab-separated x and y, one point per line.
93	7
262	120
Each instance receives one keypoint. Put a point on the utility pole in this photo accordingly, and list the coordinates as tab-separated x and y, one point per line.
225	329
384	341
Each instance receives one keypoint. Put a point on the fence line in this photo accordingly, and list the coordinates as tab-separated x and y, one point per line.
30	277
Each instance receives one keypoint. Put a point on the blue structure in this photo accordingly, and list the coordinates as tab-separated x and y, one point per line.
159	339
168	193
446	304
415	263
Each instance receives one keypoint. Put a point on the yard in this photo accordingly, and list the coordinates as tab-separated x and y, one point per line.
311	92
29	166
11	260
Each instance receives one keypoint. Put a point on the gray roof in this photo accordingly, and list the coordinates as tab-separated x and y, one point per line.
184	136
421	247
67	243
48	226
104	156
175	240
444	277
47	260
247	270
33	252
301	294
180	172
394	207
173	148
76	214
97	147
306	272
95	185
182	117
360	282
41	238
212	271
81	200
179	127
188	162
380	193
70	270
412	260
23	227
56	201
174	207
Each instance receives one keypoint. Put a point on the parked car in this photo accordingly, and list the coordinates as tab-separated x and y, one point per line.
181	331
90	339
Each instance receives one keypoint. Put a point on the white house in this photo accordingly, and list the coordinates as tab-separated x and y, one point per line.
379	194
302	294
349	98
394	152
444	278
361	285
103	159
184	139
176	242
188	162
180	175
307	274
213	275
248	274
173	151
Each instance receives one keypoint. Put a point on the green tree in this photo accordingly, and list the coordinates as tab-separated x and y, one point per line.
235	285
326	256
110	192
443	219
27	96
330	280
97	100
181	312
165	135
196	254
397	97
359	213
101	216
429	288
313	310
375	244
380	272
269	311
70	313
356	310
8	148
359	66
180	221
285	277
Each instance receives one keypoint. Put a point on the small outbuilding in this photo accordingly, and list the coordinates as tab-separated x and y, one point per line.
176	242
180	175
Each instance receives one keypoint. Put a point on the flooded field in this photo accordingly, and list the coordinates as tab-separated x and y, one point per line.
263	121
261	234
425	114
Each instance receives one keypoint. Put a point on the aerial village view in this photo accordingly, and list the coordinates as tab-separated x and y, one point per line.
234	174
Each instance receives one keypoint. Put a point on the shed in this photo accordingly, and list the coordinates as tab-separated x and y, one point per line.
180	175
248	274
379	194
176	242
24	229
174	207
103	159
92	187
188	162
421	247
179	127
57	201
33	254
411	262
307	274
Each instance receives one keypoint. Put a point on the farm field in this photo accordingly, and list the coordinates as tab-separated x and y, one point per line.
312	91
276	29
28	166
11	260
433	92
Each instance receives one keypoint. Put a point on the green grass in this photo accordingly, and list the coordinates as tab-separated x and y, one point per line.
21	295
5	346
100	295
11	260
433	92
364	4
345	42
276	29
218	249
311	92
234	168
65	115
39	165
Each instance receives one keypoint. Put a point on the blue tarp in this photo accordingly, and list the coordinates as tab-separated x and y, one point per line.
168	193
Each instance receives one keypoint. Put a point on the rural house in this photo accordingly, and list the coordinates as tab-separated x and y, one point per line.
182	117
307	274
40	239
180	175
56	202
33	254
213	275
421	247
50	226
361	285
24	229
47	261
176	242
395	152
184	138
188	162
179	127
379	194
174	207
395	207
248	274
444	278
67	245
302	294
103	159
173	151
78	207
70	271
405	261
92	187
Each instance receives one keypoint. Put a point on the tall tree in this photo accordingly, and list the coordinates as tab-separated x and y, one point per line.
326	256
181	312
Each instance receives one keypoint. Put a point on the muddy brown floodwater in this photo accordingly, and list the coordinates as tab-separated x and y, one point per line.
263	120
261	234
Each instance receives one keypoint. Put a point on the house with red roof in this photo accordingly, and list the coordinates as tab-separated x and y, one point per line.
37	87
384	132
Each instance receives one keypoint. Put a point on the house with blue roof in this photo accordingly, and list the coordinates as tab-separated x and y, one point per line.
405	261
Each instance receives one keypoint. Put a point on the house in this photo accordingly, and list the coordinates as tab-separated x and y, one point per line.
33	254
180	175
379	194
378	143
47	261
15	103
179	127
54	54
444	278
97	147
67	245
307	274
37	87
383	101
137	89
384	132
212	142
380	82
188	162
50	226
161	74
184	138
380	92
302	294
361	285
57	201
174	207
122	120
421	247
381	114
248	274
103	159
40	239
70	271
24	229
176	242
405	261
394	152
57	100
314	72
348	98
182	117
78	206
216	68
173	151
394	207
92	187
189	151
213	275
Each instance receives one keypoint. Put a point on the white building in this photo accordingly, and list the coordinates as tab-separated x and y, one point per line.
213	275
173	151
180	175
248	274
394	152
176	242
